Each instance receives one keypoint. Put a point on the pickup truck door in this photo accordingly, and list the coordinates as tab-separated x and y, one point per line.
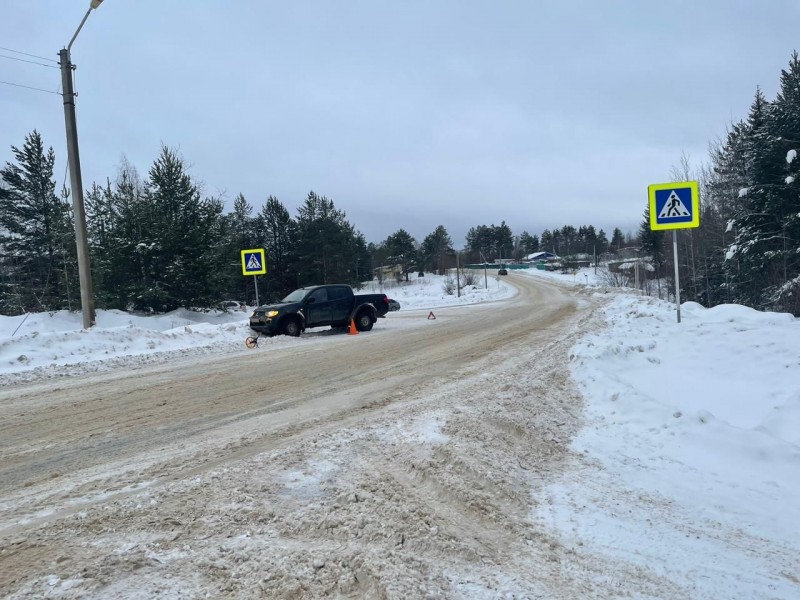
317	308
341	301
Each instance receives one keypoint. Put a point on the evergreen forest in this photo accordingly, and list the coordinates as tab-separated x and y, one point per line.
158	243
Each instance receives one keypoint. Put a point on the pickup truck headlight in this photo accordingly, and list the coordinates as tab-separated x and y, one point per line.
272	313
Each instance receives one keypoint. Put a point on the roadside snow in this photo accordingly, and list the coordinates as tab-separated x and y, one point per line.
691	447
53	344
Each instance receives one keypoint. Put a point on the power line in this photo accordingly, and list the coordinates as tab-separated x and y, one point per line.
26	54
28	61
30	88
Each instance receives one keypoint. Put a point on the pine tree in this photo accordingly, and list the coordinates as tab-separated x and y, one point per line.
100	225
652	243
528	243
128	272
786	295
757	246
617	240
479	243
237	232
568	240
180	232
546	242
435	248
329	249
37	243
602	242
588	239
503	240
402	250
723	194
277	233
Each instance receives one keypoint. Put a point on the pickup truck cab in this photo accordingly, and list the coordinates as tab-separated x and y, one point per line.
319	306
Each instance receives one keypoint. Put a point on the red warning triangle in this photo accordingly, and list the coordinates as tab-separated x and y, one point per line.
431	315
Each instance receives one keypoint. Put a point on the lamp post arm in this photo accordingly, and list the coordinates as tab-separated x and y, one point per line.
86	16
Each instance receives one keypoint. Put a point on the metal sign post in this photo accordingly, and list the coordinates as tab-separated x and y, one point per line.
677	273
674	206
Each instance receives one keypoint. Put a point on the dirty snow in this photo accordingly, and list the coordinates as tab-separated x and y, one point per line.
685	465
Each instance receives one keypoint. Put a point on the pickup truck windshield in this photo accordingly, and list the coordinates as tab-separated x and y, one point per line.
295	296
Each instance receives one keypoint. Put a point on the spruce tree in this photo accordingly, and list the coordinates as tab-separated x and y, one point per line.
402	250
528	243
786	295
602	242
546	242
37	242
756	250
617	240
329	249
179	238
652	243
237	232
277	233
435	248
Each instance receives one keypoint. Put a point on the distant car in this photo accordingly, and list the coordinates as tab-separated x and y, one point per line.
232	305
503	272
393	304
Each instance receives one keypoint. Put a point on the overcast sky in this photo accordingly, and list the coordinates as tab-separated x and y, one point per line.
407	114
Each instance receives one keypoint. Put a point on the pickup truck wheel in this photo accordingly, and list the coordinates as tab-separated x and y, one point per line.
364	322
292	328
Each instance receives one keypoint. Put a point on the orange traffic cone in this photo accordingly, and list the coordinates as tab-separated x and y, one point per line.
353	330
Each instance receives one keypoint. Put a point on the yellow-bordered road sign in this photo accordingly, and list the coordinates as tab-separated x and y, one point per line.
254	262
674	205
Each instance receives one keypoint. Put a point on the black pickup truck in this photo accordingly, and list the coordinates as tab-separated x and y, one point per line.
318	306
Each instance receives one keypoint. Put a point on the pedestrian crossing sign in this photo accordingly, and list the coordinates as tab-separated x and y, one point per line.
254	262
674	205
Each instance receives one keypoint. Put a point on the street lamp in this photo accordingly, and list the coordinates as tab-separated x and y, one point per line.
76	185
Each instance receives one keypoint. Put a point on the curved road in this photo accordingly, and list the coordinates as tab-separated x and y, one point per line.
67	444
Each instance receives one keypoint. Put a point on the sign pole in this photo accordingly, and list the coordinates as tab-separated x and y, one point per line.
674	205
255	283
677	273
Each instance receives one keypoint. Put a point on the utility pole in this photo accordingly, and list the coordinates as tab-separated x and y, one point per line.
76	184
458	275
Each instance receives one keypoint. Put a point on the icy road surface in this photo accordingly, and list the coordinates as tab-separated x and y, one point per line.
400	463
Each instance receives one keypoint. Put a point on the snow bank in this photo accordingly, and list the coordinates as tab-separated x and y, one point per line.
693	428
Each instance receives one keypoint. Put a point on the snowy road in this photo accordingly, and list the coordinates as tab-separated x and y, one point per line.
400	463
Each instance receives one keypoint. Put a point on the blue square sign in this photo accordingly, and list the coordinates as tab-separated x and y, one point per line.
254	262
674	205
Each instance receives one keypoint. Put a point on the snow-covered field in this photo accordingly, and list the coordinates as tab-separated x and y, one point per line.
688	462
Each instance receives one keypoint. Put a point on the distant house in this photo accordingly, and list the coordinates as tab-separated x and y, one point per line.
389	272
540	256
629	252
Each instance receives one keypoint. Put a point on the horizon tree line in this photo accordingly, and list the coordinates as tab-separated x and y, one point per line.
157	243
